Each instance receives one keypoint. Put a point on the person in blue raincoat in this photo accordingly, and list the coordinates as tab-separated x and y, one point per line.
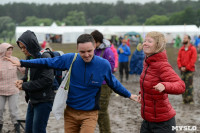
136	63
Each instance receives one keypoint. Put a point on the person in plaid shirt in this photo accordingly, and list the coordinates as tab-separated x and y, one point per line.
8	91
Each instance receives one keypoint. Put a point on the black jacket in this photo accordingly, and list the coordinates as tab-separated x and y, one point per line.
39	88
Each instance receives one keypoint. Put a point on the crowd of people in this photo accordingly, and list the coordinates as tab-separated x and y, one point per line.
92	81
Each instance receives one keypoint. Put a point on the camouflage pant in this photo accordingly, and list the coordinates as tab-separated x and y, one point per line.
187	77
103	118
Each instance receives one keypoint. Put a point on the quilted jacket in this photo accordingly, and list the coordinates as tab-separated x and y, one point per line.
155	105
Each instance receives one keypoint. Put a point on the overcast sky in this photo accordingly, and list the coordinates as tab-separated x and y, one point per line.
74	1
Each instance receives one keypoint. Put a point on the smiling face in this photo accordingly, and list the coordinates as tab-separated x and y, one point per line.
86	51
9	52
149	46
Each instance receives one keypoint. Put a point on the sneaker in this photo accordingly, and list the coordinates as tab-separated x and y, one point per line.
191	103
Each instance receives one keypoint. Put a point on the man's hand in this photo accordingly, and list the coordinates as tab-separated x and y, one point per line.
18	84
183	69
115	69
139	99
15	62
134	97
159	87
121	50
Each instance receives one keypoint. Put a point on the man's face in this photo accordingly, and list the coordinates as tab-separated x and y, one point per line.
86	51
24	50
185	40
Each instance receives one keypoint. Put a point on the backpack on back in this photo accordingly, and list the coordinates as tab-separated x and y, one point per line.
58	77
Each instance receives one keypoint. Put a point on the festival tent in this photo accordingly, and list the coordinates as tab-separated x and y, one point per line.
69	34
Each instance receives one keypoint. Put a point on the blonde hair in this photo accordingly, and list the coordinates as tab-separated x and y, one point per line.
159	40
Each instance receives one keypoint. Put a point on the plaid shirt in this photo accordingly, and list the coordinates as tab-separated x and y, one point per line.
8	76
8	73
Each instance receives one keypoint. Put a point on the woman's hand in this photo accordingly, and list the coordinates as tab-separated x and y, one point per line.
159	87
18	84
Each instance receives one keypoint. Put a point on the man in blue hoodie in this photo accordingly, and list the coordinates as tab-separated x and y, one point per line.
87	75
124	53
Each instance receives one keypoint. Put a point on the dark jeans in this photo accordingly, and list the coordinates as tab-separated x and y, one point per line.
158	127
123	66
37	117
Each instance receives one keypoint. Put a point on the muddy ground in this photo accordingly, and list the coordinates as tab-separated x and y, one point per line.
125	114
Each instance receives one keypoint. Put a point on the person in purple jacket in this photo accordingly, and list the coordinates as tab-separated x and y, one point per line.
103	50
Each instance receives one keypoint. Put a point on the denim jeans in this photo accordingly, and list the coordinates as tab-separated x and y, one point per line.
37	117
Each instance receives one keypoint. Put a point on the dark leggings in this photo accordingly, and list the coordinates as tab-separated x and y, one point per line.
123	66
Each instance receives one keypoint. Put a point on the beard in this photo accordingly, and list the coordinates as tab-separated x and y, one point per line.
185	42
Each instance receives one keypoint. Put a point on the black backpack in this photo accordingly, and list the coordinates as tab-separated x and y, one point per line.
58	77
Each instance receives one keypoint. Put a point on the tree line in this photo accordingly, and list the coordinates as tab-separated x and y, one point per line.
165	12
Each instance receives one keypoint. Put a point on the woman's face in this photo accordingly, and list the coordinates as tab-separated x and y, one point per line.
9	52
149	46
24	50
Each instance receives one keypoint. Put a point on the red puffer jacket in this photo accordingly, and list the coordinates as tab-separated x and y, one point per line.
155	105
187	58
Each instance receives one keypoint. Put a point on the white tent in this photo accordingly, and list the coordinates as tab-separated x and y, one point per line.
70	33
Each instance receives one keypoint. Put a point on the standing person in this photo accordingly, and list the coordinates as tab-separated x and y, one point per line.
37	85
177	43
197	45
114	50
157	80
136	63
87	75
103	50
8	91
124	53
187	57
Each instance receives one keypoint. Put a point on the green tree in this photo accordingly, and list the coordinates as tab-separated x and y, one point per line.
99	19
157	20
177	18
75	18
131	20
7	27
34	21
189	16
114	21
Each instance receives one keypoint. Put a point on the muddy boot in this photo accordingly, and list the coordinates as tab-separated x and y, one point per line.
17	128
1	126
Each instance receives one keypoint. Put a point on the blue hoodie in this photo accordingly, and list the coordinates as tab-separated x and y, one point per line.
86	79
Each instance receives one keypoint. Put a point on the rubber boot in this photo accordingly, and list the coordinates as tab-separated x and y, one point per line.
17	128
1	127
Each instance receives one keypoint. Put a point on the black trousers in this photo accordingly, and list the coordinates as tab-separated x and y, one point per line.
123	66
158	127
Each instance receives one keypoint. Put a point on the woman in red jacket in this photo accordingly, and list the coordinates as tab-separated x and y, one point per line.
157	80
